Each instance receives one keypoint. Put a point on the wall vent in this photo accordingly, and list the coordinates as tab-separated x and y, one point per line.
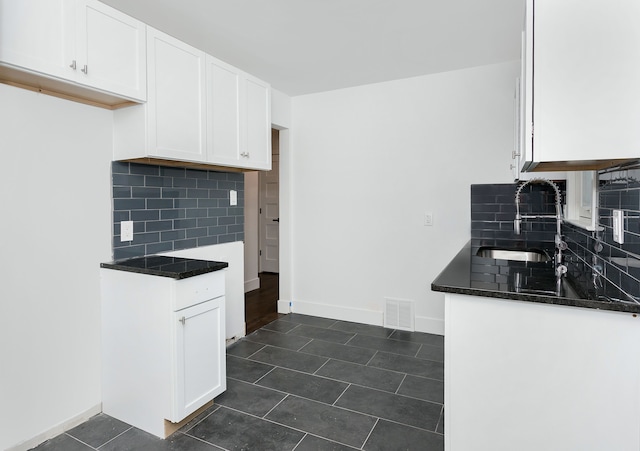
398	314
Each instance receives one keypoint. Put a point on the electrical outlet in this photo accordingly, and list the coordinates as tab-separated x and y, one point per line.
233	197
618	226
126	231
428	218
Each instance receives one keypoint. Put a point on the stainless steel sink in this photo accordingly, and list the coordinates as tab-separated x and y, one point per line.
529	255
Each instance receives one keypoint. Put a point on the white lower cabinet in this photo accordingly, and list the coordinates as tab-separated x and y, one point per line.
163	347
526	376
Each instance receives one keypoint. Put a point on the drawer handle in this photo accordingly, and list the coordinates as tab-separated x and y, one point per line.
183	320
73	65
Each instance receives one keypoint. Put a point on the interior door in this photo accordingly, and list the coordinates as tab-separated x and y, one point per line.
269	221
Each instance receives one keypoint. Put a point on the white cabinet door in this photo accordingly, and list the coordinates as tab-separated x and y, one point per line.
177	98
580	79
258	124
223	112
38	35
200	356
111	50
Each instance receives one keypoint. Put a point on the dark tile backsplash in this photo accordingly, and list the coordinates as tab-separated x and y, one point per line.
493	209
601	267
605	267
174	208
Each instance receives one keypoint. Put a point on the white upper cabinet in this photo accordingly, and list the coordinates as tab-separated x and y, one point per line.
580	78
45	43
258	124
38	35
176	103
239	117
223	108
199	110
110	50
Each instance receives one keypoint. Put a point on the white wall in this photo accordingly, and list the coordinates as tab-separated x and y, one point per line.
55	229
367	163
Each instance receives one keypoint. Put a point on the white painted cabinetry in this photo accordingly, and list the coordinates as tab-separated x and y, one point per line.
199	110
580	77
528	377
239	117
83	43
163	346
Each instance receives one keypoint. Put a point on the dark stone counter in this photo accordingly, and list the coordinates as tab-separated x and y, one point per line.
165	266
472	275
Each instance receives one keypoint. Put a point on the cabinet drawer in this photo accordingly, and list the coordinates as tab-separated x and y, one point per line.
197	289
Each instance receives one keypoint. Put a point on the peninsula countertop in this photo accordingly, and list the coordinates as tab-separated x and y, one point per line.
165	266
473	275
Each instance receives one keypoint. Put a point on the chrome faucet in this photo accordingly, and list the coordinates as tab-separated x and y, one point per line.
560	245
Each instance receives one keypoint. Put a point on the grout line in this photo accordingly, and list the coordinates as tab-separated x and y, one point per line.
400	385
78	440
112	439
340	396
369	434
204	441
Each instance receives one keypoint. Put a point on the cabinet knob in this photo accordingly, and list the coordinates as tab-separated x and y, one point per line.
73	65
183	320
85	69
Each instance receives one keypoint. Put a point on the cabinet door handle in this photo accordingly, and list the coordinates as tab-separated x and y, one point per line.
85	69
183	320
73	65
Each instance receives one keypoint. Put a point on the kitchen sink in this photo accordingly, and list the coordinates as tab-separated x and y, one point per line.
528	255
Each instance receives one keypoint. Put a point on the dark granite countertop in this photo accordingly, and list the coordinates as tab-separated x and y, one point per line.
165	266
472	275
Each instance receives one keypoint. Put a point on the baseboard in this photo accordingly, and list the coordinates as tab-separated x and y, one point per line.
57	430
250	285
283	306
341	313
430	325
337	312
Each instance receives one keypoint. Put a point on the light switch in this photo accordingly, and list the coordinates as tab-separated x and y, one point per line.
618	226
428	218
126	231
233	197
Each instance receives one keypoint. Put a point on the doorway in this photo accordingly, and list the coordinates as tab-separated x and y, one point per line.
269	211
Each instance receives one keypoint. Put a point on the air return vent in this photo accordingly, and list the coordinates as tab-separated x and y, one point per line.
398	314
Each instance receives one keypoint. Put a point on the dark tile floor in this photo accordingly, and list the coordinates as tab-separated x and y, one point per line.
307	384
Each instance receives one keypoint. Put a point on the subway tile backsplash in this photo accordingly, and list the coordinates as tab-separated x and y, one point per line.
174	208
493	209
601	267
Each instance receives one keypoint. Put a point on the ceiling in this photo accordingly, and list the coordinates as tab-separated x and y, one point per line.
306	46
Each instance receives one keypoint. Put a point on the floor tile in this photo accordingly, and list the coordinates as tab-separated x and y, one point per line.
244	348
249	398
281	326
363	329
313	443
246	370
388	436
304	385
138	440
383	344
98	430
309	320
410	411
409	365
435	353
286	341
330	422
361	375
289	359
422	388
418	337
334	336
340	352
62	442
238	431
